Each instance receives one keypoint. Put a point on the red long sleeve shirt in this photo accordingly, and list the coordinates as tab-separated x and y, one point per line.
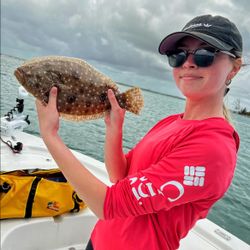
175	174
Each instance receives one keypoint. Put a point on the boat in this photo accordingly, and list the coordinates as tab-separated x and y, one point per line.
71	231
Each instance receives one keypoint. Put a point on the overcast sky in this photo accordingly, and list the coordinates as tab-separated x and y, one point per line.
119	37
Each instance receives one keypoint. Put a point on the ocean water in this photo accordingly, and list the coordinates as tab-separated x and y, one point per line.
232	212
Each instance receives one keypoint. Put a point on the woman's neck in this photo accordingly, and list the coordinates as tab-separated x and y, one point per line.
202	109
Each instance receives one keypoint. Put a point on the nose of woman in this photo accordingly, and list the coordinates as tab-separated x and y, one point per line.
189	63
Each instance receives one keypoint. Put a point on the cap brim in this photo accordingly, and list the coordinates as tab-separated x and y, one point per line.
169	42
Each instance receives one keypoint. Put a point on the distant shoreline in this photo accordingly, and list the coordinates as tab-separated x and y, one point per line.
152	91
242	111
16	57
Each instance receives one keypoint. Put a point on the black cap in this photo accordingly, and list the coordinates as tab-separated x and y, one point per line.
217	31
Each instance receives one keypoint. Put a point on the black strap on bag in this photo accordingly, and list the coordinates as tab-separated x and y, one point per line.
28	211
77	201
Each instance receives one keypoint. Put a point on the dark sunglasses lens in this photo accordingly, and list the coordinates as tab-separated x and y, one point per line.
203	57
176	58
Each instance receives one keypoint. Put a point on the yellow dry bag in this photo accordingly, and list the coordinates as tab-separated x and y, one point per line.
36	193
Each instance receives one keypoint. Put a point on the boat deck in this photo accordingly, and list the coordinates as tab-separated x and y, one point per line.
72	231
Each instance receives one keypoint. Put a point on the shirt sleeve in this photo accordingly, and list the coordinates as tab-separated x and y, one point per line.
197	171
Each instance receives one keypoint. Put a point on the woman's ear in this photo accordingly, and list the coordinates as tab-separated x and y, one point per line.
237	63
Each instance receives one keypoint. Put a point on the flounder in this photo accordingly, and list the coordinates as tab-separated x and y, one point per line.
82	90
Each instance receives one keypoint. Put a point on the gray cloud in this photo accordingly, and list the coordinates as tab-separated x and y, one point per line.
120	35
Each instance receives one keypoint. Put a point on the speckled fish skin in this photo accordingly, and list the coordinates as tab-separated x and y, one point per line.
82	90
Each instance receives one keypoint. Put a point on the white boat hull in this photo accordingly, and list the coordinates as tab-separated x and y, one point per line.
72	231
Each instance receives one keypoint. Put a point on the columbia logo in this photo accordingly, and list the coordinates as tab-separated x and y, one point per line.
194	176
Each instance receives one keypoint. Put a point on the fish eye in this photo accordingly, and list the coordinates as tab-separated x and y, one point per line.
71	99
103	97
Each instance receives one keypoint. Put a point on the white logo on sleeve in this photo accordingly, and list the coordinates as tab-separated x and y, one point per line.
142	188
194	176
172	190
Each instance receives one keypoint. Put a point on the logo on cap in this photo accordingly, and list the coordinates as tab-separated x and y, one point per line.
195	25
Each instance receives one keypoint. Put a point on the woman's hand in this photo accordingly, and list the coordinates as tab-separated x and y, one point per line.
115	160
48	115
115	118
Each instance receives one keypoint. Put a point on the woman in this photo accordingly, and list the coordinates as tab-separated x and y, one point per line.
182	166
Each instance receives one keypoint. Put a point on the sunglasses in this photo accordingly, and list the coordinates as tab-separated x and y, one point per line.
203	57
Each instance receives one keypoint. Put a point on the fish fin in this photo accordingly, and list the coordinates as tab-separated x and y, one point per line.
78	118
132	100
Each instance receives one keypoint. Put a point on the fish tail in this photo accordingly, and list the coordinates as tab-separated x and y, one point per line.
132	100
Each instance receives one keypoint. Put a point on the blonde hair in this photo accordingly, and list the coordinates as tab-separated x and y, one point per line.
227	114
